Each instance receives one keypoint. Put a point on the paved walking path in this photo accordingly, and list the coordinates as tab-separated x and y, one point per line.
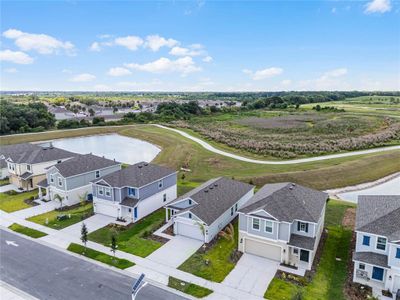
272	162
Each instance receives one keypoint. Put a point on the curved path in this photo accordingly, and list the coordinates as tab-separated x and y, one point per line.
272	162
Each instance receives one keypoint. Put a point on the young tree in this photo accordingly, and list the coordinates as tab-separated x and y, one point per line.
59	198
113	245
91	112
84	233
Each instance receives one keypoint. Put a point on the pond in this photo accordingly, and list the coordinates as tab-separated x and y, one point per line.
390	187
123	149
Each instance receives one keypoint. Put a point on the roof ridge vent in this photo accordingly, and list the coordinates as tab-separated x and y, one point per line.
140	166
211	187
215	184
146	164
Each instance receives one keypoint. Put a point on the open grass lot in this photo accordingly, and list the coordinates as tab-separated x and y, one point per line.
179	151
132	239
218	256
294	134
27	231
11	203
78	213
188	288
100	256
329	280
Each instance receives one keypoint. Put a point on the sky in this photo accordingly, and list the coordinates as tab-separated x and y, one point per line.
200	45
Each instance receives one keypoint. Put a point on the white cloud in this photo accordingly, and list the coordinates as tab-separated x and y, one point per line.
263	74
180	51
118	71
182	65
328	81
155	42
11	70
16	57
208	59
378	6
84	77
131	42
335	73
42	43
95	46
286	82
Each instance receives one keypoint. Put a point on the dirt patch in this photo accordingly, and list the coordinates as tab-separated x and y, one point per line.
349	218
214	162
30	202
169	230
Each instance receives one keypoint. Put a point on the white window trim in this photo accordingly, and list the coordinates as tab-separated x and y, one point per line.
305	226
131	189
376	245
107	189
100	190
28	167
252	224
372	272
265	226
98	171
298	251
359	264
51	178
59	181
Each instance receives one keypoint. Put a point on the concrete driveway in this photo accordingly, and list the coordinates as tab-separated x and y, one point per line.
9	187
252	274
176	251
92	224
36	210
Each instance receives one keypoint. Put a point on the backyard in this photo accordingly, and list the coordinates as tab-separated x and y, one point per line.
133	238
12	201
68	216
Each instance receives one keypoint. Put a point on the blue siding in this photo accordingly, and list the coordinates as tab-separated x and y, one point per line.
151	189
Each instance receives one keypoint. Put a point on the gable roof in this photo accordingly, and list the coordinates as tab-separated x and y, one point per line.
215	196
288	202
82	164
136	175
39	155
379	215
7	150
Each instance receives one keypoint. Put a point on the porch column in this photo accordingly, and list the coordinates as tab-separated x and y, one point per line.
40	193
166	214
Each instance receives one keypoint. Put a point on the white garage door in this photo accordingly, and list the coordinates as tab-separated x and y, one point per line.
105	209
263	249
189	230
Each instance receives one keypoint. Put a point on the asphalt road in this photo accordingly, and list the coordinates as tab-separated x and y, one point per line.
47	273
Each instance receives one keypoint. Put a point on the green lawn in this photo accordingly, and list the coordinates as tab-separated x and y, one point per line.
218	255
329	280
27	231
188	288
100	256
11	203
132	239
4	181
78	213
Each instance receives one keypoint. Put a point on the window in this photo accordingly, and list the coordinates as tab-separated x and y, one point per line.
28	167
164	197
97	174
51	178
59	181
295	251
160	184
190	201
190	215
381	243
268	226
13	167
377	273
256	224
398	253
236	207
131	192
107	192
361	266
100	190
301	226
231	211
10	166
366	240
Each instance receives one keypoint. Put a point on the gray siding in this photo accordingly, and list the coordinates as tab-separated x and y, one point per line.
262	232
103	197
392	260
84	179
284	233
183	203
242	222
311	229
56	176
151	189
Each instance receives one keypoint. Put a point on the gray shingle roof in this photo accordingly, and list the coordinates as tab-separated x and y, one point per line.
39	155
301	241
43	183
371	258
130	202
26	175
216	196
7	150
288	202
137	175
379	215
82	164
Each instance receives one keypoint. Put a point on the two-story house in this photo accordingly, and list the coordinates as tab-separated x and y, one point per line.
28	168
204	211
283	222
71	179
377	254
134	192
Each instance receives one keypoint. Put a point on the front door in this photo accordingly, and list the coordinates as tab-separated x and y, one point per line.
304	255
377	273
135	213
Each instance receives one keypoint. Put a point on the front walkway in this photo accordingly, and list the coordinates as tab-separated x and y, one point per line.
176	251
9	187
92	224
36	210
252	274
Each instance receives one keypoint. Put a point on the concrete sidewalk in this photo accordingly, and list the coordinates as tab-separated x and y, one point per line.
8	292
36	210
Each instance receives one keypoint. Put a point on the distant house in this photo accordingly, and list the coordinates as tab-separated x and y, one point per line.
71	179
377	254
28	168
283	222
7	150
134	192
204	211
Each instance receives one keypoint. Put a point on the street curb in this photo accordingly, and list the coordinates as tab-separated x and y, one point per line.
16	291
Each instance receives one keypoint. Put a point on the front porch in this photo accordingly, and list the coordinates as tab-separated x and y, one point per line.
43	190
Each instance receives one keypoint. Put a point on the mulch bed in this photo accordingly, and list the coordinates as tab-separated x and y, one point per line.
31	202
349	218
169	230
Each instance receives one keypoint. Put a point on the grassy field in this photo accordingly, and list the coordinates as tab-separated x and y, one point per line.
100	256
329	280
132	239
77	213
11	203
218	256
188	288
27	231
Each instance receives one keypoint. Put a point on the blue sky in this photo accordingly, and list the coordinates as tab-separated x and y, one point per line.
200	45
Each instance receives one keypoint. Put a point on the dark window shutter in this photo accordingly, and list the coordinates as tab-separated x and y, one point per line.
298	226
306	227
